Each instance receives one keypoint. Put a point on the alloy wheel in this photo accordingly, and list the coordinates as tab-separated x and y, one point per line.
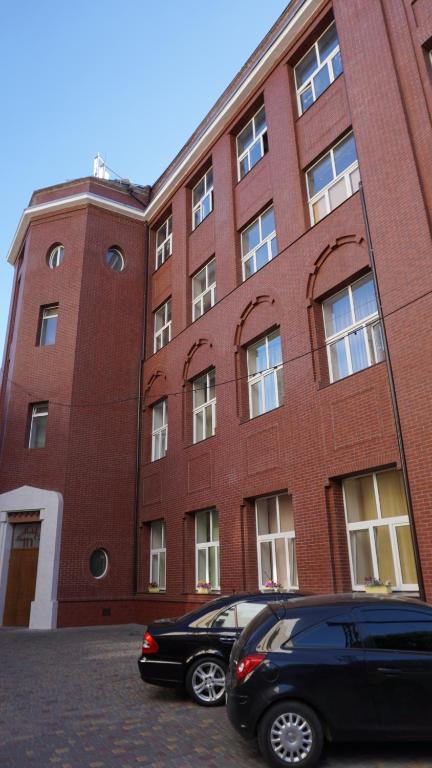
208	682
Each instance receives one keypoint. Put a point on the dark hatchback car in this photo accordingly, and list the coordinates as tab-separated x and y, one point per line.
341	667
193	650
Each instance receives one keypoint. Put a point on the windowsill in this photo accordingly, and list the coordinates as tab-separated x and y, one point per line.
155	461
245	279
157	269
239	181
307	111
332	210
200	442
248	419
194	229
350	376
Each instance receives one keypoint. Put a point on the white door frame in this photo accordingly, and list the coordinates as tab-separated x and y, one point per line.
49	504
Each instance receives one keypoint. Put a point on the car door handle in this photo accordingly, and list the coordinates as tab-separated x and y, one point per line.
391	671
227	639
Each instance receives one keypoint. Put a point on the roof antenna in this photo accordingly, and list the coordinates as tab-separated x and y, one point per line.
99	168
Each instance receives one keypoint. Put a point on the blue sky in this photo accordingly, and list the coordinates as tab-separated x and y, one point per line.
130	79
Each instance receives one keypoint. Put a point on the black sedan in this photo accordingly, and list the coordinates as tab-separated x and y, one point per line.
193	650
345	667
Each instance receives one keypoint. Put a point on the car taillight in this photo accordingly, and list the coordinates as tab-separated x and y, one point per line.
248	664
149	644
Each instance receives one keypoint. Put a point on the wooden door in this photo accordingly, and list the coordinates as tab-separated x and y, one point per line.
22	574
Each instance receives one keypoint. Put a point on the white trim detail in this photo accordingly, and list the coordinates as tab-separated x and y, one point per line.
43	612
65	203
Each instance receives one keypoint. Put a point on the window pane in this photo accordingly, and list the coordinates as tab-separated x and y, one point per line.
209	178
360	499
199	426
256	152
364	300
245	138
206	205
279	382
156	535
260	121
339	361
49	327
211	272
337	65
338	193
257	358
215	525
332	634
244	166
406	554
292	562
378	342
213	566
165	336
270	392
305	68
384	554
154	569
320	175
267	223
257	400
361	556
345	153
212	384
159	319
158	416
202	570
281	563
156	446
203	526
247	611
398	630
266	561
199	283
357	343
267	515
286	514
391	494
38	431
162	570
274	350
328	42
274	246
262	256
355	179
209	421
320	209
306	99
271	505
198	192
250	238
200	391
337	314
321	81
225	619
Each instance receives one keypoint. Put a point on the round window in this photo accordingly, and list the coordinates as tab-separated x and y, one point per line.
98	563
114	259
55	256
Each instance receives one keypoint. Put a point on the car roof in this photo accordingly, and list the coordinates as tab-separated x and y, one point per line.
351	599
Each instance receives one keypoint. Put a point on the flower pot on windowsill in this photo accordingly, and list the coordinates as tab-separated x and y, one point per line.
378	589
153	589
202	591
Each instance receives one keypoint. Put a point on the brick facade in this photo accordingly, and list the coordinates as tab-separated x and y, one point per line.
321	432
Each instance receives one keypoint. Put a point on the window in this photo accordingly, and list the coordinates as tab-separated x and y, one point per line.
202	198
98	563
204	289
38	425
157	554
204	406
276	541
207	547
320	66
379	534
162	326
48	325
55	256
114	260
352	329
264	362
247	611
258	243
159	430
164	242
252	143
333	179
336	632
397	630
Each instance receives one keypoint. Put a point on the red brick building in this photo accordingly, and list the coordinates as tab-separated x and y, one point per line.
200	382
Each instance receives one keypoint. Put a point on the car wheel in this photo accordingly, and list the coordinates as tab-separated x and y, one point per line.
205	681
290	733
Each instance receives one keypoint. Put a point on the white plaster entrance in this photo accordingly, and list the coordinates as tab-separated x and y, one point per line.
49	504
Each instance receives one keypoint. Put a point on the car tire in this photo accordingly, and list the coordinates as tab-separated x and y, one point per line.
205	681
290	733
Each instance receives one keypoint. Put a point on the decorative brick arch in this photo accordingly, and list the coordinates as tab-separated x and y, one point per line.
158	374
338	243
249	308
194	348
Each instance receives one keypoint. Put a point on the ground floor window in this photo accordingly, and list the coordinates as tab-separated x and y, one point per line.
157	554
379	533
207	547
276	541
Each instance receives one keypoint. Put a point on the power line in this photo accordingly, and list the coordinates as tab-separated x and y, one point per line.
293	359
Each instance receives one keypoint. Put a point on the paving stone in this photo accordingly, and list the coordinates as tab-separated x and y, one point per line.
73	698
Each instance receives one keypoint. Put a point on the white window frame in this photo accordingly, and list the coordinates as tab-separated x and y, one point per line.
356	327
166	310
56	256
39	411
210	403
271	538
325	62
198	301
251	255
157	552
160	431
208	192
370	525
324	191
260	136
206	546
261	375
165	228
47	313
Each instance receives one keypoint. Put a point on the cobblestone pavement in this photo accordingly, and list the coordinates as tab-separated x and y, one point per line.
72	698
